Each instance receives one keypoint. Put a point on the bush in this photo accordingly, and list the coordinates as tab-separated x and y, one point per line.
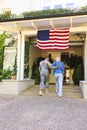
78	74
73	61
35	70
35	73
7	74
1	74
76	62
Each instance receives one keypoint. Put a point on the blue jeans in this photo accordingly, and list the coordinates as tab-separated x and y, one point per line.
44	80
59	83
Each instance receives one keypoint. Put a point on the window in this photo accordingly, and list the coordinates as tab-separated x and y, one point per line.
70	5
57	6
46	7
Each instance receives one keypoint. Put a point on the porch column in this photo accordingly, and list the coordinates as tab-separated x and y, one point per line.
22	57
18	56
85	59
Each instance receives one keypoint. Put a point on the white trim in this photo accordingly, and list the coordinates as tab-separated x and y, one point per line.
18	56
22	57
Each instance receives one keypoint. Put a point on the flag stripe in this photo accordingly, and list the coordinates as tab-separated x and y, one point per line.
59	34
53	39
51	44
58	38
48	48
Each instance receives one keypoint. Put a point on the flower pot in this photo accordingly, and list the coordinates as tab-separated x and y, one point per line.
14	77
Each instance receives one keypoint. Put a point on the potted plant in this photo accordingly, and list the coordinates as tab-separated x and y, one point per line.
13	75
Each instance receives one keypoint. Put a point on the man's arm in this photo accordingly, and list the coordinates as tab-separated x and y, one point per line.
53	66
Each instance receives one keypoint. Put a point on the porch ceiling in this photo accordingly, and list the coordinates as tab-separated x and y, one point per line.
29	27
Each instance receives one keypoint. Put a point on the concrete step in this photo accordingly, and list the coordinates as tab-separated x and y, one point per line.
69	91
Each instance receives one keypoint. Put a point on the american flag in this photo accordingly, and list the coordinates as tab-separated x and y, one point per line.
53	39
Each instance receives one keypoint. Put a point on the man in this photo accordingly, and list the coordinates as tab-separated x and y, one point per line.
58	73
44	74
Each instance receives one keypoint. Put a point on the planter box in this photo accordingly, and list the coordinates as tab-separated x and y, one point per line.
15	86
83	86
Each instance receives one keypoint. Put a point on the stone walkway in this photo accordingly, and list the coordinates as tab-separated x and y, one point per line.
26	112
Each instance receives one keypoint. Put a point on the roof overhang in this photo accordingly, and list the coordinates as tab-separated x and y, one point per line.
77	23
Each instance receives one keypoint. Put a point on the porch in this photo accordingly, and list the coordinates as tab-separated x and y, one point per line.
26	28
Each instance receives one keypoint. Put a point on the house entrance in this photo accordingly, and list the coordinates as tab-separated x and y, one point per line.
63	54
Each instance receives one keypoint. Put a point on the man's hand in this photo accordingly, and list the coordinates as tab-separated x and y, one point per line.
58	67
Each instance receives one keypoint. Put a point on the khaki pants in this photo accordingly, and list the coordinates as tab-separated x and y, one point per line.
44	80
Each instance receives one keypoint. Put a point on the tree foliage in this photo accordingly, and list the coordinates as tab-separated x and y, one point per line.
6	15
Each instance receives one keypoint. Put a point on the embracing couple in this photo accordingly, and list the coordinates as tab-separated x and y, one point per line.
58	71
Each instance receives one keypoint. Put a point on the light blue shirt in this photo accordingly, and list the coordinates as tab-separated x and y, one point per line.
58	67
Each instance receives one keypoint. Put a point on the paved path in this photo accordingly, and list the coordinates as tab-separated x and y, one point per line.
26	112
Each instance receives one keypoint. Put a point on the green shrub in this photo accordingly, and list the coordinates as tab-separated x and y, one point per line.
35	70
35	73
76	62
73	61
46	12
6	74
78	74
1	74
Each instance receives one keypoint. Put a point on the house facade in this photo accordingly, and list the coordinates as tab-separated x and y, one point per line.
24	28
